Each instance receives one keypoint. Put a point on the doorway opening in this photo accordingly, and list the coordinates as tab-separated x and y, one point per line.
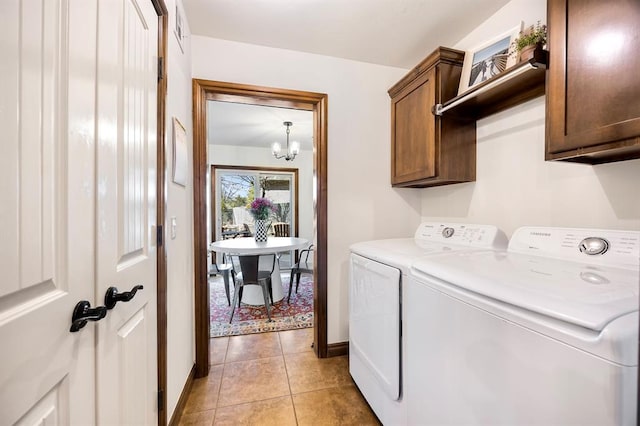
233	188
204	91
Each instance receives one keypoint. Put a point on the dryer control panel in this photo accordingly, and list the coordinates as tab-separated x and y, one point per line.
487	236
597	246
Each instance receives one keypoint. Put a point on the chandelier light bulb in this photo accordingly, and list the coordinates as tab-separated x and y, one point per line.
295	148
292	149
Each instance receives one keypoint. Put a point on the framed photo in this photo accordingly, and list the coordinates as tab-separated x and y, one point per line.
488	59
180	154
179	28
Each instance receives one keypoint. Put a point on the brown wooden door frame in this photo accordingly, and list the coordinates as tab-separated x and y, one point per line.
161	266
203	91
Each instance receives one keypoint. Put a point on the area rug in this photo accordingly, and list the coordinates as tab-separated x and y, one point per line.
249	319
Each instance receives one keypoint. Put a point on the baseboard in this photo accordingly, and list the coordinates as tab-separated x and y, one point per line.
182	401
337	349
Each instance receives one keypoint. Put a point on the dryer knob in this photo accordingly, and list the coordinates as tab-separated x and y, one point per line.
448	232
593	246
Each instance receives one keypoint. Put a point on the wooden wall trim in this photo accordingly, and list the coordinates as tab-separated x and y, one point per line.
320	125
201	306
184	396
204	90
337	349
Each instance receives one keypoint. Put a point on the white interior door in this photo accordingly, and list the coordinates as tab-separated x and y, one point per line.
77	192
126	210
47	211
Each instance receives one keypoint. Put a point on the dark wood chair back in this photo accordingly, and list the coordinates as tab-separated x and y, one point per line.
281	229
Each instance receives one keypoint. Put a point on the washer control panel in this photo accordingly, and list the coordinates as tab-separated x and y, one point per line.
598	246
463	234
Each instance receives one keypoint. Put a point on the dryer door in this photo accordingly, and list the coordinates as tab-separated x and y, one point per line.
374	326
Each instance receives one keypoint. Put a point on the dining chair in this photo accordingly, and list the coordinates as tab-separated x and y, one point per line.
223	269
281	229
303	266
250	274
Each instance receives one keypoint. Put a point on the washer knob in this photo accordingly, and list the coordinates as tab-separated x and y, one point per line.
448	232
594	246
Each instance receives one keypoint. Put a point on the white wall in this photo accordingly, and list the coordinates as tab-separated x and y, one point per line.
514	185
180	322
234	155
361	203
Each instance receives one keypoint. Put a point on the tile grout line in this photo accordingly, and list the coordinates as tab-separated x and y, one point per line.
217	409
286	371
224	366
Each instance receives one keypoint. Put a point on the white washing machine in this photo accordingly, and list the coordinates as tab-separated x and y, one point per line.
545	333
375	311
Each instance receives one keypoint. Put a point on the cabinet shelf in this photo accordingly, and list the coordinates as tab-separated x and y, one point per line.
520	83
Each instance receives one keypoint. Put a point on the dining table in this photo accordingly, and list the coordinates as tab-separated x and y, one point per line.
252	295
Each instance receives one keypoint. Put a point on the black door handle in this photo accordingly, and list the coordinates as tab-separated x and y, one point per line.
112	296
83	312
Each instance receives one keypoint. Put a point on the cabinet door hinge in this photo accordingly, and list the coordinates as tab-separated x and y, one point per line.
160	233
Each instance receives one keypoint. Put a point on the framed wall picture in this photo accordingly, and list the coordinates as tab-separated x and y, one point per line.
488	59
178	30
180	153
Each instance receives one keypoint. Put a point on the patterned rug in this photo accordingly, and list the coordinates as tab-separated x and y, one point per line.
249	319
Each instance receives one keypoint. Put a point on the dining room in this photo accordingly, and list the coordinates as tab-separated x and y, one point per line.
259	154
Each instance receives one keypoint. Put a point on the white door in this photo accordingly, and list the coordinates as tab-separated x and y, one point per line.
46	211
77	205
126	210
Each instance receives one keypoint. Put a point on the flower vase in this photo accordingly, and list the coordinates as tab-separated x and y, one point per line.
261	229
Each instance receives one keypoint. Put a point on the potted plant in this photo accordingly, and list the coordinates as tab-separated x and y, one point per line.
261	210
530	39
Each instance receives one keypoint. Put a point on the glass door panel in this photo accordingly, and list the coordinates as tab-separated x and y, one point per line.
235	189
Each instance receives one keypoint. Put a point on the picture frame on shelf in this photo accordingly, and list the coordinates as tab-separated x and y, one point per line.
488	59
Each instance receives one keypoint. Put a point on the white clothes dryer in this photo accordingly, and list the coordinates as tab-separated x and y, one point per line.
377	273
545	333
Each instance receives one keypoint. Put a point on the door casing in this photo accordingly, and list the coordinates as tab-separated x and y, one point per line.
206	90
161	206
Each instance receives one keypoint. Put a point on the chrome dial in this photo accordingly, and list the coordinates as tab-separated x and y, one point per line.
448	232
594	246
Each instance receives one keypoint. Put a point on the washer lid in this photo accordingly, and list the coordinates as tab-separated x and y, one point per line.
586	295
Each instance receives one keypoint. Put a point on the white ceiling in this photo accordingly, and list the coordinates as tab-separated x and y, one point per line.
397	33
255	125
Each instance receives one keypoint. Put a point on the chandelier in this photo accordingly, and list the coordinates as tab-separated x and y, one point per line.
292	150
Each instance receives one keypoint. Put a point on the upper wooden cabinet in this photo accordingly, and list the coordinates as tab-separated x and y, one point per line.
427	150
593	82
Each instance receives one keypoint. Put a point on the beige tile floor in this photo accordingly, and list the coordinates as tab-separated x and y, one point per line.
275	379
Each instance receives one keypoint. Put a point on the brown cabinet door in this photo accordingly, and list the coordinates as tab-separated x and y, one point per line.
593	86
413	151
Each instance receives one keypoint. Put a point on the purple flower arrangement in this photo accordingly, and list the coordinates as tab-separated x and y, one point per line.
261	209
